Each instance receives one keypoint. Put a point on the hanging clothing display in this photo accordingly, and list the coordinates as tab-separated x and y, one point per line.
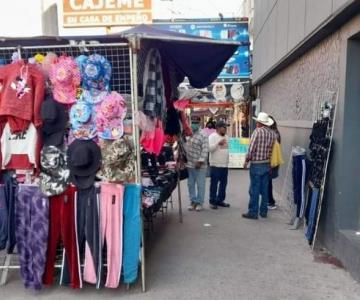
4	219
111	224
62	227
88	236
319	147
154	92
19	147
11	192
132	232
32	229
299	181
82	171
312	214
22	93
88	228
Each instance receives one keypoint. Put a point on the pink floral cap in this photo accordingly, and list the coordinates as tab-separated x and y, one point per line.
65	78
110	117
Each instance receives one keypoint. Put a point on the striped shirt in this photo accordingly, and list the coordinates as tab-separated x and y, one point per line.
261	144
197	149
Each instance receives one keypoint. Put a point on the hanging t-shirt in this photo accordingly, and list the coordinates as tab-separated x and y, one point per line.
18	144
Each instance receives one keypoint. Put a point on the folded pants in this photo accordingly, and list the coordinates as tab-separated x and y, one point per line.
62	226
111	227
32	226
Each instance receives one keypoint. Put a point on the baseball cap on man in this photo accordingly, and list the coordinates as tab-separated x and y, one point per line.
221	124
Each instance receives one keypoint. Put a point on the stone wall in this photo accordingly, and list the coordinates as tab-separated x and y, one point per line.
291	96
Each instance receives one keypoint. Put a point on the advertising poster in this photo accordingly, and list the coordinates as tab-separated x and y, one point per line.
238	66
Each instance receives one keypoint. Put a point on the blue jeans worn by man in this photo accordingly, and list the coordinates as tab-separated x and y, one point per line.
196	185
218	183
259	185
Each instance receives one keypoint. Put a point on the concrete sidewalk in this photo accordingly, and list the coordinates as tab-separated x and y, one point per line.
233	258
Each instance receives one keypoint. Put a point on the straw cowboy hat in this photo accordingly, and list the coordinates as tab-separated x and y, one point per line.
264	119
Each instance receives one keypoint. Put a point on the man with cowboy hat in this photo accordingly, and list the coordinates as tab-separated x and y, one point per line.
259	154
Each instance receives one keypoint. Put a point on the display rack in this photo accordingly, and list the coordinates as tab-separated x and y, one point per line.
126	52
123	80
331	98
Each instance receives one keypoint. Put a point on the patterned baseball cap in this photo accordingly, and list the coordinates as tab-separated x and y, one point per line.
96	73
110	117
93	97
119	160
82	120
55	174
65	78
80	60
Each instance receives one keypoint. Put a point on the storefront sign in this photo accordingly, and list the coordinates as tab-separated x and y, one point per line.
91	13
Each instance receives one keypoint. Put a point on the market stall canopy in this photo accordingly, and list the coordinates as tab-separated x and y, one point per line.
198	58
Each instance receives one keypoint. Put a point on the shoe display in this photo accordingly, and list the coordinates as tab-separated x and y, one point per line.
223	204
249	216
199	207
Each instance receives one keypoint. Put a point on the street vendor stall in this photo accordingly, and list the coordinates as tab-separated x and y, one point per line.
108	100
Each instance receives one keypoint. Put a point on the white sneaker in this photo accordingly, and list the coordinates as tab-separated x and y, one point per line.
198	207
272	207
192	207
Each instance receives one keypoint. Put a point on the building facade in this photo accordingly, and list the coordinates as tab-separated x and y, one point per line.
305	50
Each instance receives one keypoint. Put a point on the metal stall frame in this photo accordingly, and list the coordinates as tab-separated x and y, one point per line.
132	47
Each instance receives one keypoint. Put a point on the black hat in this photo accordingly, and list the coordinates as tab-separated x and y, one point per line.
84	160
221	124
54	122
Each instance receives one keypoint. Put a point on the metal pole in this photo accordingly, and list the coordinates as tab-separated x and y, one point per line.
134	96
